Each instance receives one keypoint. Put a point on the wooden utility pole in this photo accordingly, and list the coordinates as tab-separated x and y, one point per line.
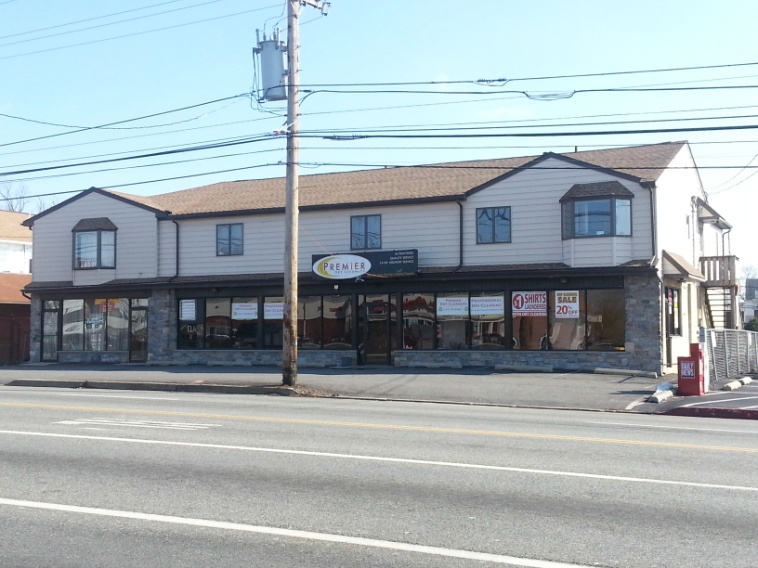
289	347
289	335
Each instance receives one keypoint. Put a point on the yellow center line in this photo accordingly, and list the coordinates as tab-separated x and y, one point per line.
399	427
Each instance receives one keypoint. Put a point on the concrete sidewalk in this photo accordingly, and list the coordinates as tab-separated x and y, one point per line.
611	392
582	391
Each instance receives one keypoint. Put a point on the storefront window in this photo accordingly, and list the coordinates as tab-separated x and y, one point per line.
191	320
244	323
452	321
73	325
529	313
94	325
218	323
337	321
273	315
568	311
309	321
117	330
418	321
606	320
488	321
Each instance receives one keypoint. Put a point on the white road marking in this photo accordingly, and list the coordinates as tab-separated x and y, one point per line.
291	533
709	430
390	460
138	424
719	401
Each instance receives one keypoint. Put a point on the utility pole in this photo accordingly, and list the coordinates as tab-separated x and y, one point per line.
289	323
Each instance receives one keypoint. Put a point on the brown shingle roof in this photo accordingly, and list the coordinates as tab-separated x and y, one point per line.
11	286
95	224
449	180
600	189
11	228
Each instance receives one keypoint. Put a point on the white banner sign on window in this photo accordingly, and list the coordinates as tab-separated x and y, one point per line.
245	311
488	306
567	304
188	310
529	304
273	311
452	306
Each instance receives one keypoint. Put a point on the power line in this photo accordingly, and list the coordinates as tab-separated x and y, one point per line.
543	96
84	129
503	81
358	136
80	128
86	19
325	135
108	24
136	33
141	156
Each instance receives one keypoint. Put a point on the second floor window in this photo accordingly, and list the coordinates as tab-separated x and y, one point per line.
229	239
95	249
597	218
493	225
365	232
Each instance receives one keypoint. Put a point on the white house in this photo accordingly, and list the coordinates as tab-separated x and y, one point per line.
570	261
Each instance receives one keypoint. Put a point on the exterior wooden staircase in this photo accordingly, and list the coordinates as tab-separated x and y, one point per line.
721	291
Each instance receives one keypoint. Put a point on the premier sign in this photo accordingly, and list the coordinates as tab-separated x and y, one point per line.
341	266
384	263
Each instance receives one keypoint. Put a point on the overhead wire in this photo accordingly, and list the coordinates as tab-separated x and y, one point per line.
57	34
87	19
153	115
143	32
504	81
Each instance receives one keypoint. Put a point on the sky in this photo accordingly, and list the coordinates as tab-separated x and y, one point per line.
96	81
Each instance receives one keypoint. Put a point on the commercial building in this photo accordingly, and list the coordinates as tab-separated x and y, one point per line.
571	261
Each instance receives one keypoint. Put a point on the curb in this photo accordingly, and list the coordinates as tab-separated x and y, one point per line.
174	387
625	372
660	396
713	412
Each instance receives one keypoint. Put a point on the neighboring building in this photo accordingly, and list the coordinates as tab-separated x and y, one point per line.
589	259
15	265
750	302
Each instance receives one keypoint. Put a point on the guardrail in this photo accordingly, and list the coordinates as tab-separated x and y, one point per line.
719	270
731	352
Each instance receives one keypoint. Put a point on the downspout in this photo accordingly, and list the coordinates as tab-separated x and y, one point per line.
460	236
176	270
25	295
653	223
653	262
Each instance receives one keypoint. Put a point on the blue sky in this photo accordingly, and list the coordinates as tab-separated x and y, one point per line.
157	56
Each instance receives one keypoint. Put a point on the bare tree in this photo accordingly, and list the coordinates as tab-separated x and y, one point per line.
17	198
12	198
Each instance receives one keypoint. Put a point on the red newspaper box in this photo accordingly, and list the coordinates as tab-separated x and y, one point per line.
691	382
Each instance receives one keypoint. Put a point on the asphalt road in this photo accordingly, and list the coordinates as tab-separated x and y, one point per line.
128	479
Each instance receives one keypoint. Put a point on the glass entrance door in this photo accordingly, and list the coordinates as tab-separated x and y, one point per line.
50	326
378	327
138	335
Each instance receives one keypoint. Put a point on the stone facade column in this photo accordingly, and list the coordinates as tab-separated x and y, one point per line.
161	325
643	322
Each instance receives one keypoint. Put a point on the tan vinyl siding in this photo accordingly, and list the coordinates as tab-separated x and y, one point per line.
432	229
166	248
534	198
136	255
